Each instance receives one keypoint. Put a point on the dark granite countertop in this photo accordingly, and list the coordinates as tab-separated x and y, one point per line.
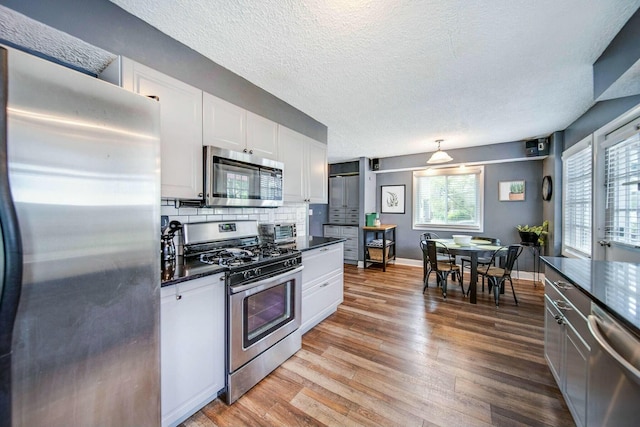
615	286
307	243
181	272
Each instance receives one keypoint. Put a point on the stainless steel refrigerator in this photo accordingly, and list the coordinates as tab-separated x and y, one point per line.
80	213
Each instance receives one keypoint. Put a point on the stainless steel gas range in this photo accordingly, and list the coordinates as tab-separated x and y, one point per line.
264	285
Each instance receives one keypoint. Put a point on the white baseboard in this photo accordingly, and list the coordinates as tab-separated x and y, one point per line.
520	275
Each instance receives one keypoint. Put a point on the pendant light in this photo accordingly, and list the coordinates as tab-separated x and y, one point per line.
439	156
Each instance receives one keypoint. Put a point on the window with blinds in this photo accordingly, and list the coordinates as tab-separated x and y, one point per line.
448	199
577	208
622	183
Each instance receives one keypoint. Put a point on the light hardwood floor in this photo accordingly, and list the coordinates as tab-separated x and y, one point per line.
391	356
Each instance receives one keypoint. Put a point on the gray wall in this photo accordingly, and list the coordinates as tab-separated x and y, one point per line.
318	219
552	209
597	116
105	25
500	218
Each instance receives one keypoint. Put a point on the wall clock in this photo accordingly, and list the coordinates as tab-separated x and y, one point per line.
547	188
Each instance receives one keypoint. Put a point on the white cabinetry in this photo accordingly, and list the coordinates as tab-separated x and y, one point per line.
226	125
322	284
180	123
192	346
565	341
345	232
305	167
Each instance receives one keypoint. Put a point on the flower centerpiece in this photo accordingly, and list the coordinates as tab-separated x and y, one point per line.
535	234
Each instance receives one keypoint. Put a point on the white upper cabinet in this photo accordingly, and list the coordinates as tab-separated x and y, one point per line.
291	152
226	125
180	124
316	163
262	136
305	167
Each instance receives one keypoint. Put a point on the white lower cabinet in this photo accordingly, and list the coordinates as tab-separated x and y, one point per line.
322	284
192	349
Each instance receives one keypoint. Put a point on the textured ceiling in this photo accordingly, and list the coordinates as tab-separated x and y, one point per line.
27	33
390	77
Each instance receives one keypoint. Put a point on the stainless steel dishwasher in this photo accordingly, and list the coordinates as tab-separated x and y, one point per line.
614	372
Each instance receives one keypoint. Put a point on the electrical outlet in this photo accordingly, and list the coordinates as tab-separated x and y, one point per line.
164	221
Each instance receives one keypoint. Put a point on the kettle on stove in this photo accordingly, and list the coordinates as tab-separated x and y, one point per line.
167	247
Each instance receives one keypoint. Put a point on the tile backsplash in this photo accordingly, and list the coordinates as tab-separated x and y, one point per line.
296	213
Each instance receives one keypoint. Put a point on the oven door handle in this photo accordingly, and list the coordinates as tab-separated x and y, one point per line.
264	284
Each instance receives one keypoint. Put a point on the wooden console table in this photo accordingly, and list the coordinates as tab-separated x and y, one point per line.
386	232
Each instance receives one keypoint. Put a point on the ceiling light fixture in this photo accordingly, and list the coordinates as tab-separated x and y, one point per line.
439	156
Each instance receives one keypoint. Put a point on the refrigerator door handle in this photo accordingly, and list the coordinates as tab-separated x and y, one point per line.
11	268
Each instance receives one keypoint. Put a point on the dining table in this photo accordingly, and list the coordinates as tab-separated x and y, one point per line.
473	250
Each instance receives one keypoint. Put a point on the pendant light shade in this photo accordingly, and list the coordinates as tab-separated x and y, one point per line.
439	156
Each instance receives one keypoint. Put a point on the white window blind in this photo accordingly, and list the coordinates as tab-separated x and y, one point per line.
577	202
448	199
622	182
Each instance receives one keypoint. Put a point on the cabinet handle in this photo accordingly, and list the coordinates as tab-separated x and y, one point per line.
324	250
178	294
559	319
562	285
562	305
244	151
250	151
324	285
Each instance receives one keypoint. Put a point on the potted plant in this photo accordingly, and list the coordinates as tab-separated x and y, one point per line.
535	234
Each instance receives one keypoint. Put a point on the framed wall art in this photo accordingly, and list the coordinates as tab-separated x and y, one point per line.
392	198
511	191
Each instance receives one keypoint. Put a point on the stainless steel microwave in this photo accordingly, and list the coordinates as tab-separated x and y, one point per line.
239	179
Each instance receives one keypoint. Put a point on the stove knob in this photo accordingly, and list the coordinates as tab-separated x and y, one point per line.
247	274
287	263
257	271
294	261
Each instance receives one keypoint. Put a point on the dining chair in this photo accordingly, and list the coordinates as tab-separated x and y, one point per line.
425	259
428	235
496	276
441	268
482	261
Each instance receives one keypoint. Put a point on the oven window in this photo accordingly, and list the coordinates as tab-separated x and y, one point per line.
266	311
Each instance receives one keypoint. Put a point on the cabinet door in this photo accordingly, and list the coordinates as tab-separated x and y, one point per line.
224	124
576	371
332	231
180	124
317	168
336	192
192	346
262	136
291	152
553	339
352	192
